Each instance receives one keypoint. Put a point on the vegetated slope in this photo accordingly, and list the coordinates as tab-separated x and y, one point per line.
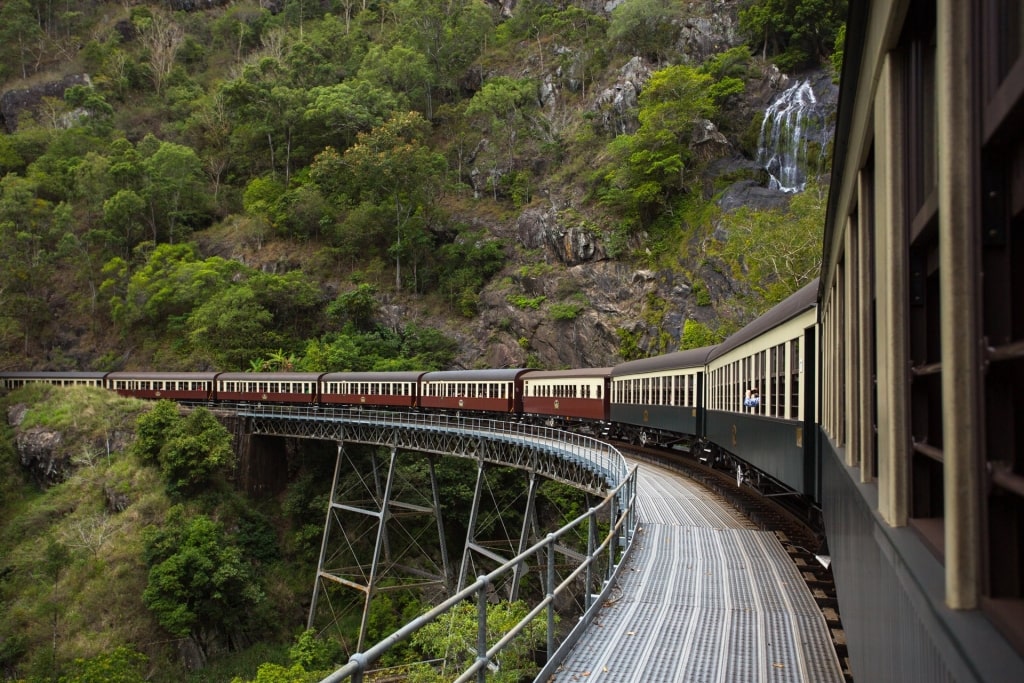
319	186
417	185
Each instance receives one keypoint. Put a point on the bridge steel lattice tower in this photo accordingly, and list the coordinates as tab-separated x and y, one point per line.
540	452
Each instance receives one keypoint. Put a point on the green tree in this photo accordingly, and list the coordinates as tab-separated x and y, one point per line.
174	189
776	252
500	109
646	27
798	33
450	35
265	109
453	637
233	327
344	110
197	448
356	307
124	217
168	286
697	335
392	165
402	69
121	665
21	38
650	167
199	585
152	430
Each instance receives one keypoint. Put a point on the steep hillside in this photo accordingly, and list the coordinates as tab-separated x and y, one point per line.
541	183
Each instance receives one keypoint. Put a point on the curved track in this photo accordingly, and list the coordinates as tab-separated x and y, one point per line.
706	597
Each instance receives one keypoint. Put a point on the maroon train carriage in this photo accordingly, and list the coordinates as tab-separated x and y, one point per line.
569	394
173	386
271	387
14	380
489	391
391	389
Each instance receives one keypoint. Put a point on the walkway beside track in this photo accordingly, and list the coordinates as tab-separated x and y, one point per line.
705	597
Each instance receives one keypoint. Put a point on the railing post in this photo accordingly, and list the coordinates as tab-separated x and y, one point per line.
551	595
591	544
481	634
614	504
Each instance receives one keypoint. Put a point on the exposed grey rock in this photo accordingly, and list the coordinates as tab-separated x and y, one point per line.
709	28
40	452
708	142
756	196
16	103
198	5
616	106
571	245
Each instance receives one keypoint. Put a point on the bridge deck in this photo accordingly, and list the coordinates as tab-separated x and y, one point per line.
707	598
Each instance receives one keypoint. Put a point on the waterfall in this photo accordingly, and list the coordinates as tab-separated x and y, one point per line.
789	121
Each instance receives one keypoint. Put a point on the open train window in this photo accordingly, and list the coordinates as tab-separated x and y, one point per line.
926	466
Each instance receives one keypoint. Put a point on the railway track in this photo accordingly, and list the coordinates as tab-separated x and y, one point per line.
794	527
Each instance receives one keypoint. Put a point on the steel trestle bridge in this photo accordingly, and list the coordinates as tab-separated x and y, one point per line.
581	461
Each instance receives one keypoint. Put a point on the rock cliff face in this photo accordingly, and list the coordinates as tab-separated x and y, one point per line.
16	103
50	456
651	307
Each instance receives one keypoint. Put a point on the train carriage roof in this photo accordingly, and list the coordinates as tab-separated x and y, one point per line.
128	374
679	360
74	374
400	376
269	376
798	302
583	373
499	375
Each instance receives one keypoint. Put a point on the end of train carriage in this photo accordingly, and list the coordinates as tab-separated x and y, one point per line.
660	400
776	356
574	399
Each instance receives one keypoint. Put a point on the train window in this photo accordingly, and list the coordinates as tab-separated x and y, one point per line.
794	379
922	228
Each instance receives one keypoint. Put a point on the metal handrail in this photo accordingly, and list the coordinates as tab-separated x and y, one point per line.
619	504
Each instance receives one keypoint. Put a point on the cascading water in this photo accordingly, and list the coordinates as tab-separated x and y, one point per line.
790	121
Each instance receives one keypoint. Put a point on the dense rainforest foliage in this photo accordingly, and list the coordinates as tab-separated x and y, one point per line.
331	156
341	185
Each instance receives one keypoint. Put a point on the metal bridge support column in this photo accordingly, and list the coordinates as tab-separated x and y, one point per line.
529	527
436	491
471	527
360	511
382	517
331	505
